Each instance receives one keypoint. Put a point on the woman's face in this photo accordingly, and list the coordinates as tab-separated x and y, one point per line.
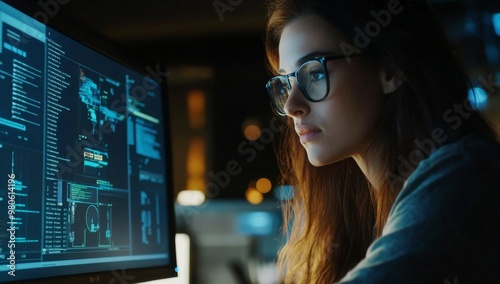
345	123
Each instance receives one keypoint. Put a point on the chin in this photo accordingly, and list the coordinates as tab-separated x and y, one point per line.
316	162
320	161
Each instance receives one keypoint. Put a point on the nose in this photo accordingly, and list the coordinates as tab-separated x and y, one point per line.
296	105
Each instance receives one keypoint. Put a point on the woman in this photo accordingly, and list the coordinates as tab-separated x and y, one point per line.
395	173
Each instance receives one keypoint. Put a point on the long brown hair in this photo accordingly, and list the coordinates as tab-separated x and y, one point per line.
335	214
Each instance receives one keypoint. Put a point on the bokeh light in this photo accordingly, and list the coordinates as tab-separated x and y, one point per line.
190	197
254	196
263	185
251	129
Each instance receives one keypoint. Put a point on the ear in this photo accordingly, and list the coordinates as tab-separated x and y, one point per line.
391	81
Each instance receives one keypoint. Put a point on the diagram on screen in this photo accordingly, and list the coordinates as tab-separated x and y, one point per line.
95	92
89	220
89	225
101	126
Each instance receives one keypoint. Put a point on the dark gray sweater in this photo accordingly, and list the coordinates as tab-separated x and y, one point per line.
444	226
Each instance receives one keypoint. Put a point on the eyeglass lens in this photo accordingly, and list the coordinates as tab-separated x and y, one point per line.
311	79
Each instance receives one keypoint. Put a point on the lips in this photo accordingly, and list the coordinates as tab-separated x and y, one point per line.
306	133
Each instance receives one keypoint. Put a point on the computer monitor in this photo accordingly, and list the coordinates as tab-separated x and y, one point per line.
85	159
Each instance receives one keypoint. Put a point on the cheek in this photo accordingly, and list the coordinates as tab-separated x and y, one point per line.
356	101
358	88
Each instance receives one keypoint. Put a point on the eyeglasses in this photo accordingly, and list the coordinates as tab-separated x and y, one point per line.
312	80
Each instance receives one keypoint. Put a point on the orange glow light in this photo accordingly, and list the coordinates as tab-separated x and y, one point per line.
196	109
254	196
252	132
263	185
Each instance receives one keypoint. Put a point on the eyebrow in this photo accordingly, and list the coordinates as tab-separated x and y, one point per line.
304	58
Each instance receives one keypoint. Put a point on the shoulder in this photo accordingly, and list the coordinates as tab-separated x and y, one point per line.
472	149
440	225
460	163
453	177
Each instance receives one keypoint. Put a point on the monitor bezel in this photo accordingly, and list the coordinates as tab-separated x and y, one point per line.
143	65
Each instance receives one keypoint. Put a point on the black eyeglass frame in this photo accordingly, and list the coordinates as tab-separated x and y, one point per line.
321	59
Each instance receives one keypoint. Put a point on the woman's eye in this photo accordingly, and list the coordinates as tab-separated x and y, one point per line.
316	75
319	75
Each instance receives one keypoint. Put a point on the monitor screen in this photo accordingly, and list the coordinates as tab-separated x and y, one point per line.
85	163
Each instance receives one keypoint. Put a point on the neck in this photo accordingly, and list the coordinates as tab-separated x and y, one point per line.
369	170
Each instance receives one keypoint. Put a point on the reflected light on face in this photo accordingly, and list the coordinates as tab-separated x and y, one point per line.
344	124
